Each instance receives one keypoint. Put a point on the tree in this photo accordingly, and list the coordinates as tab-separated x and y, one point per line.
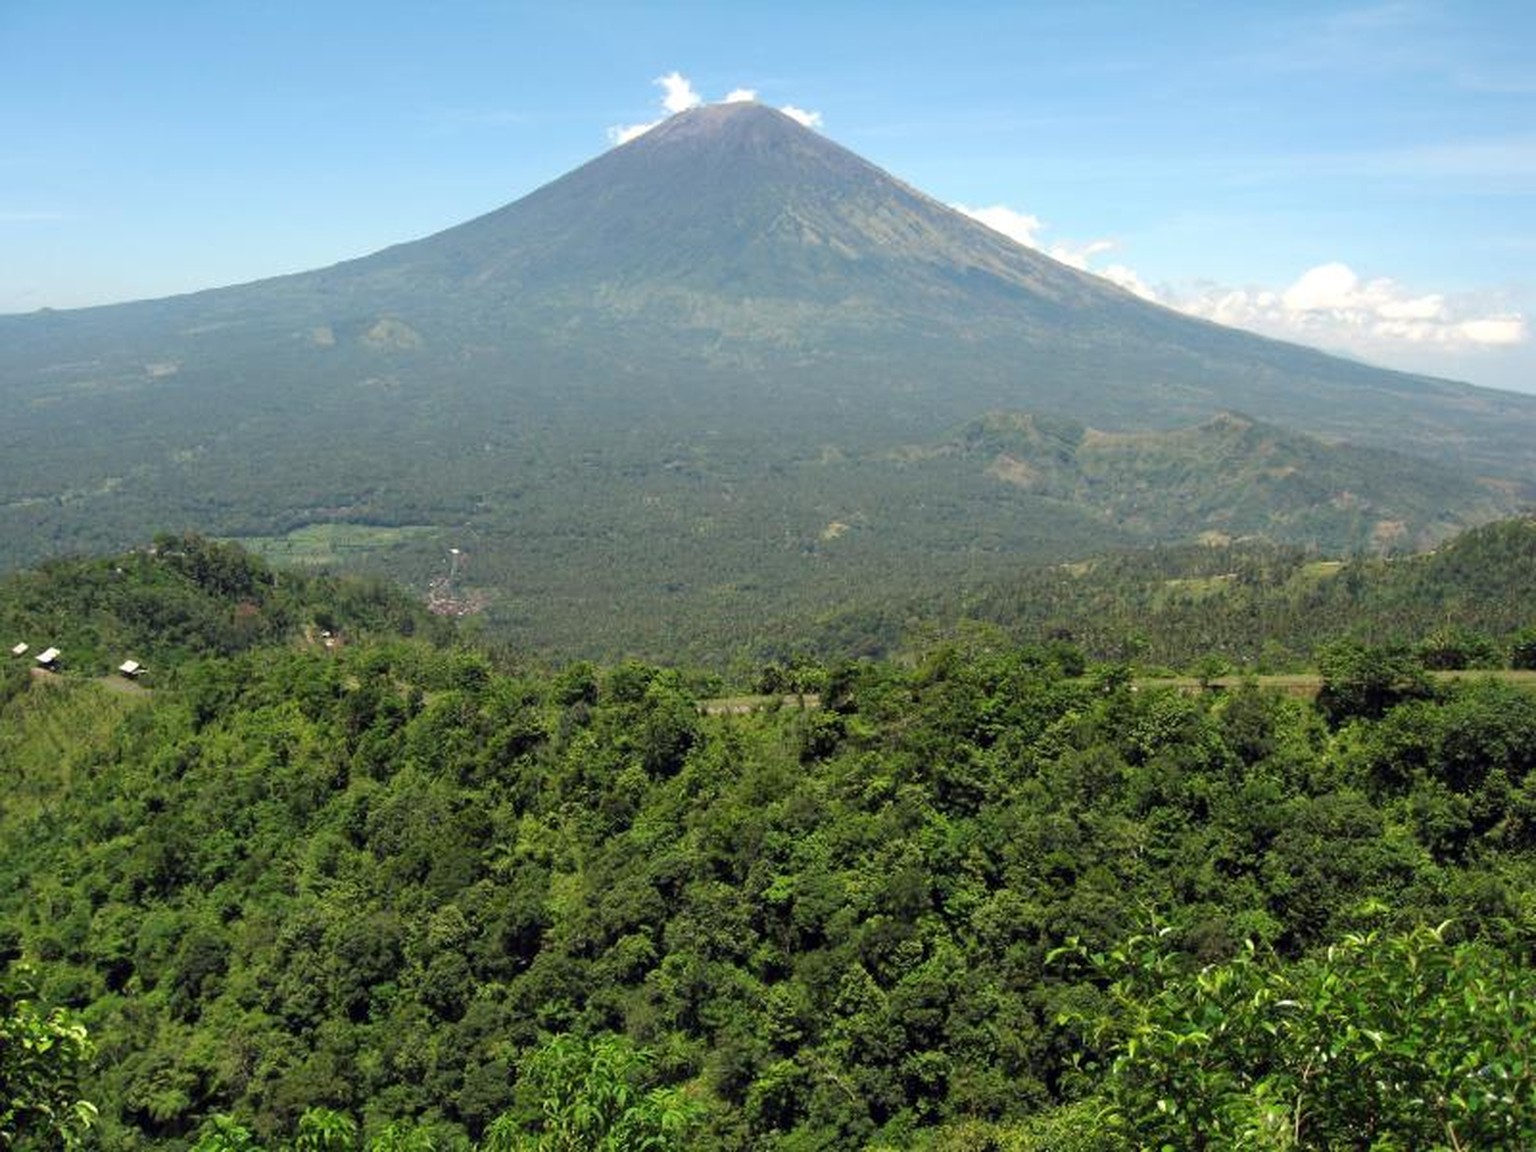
1399	1040
589	1098
1453	647
224	1134
1359	681
42	1055
1522	649
325	1130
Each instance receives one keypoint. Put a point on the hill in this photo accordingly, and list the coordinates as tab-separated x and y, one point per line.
394	894
1241	605
640	396
185	597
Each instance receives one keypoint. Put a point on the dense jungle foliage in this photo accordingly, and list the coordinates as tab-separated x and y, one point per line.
400	892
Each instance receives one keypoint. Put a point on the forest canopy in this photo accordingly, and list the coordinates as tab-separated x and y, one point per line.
400	890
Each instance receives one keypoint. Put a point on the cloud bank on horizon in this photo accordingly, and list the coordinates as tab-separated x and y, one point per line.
678	95
1328	306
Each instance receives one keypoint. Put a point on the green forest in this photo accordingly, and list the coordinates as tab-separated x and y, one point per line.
335	874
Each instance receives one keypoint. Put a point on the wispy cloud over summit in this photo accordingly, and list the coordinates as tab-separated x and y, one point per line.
679	96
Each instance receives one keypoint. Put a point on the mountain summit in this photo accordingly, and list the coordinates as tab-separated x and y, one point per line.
736	202
750	330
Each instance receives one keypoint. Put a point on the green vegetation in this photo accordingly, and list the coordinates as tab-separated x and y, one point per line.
647	538
403	893
42	1056
577	1096
331	545
1384	1040
186	596
1248	607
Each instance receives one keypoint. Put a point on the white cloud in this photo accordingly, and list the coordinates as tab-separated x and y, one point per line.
1330	306
808	119
1020	227
1328	287
1129	280
680	94
624	133
1494	331
1025	228
1078	255
1420	308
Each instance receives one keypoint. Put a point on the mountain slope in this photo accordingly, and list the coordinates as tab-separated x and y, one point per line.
731	239
661	371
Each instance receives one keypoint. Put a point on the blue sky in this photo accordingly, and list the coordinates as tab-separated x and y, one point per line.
1358	176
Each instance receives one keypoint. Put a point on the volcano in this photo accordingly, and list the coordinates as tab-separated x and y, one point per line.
725	362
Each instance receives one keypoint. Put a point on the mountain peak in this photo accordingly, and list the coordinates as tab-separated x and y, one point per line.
739	132
734	114
732	205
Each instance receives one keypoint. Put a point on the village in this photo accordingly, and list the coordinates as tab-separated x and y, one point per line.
50	661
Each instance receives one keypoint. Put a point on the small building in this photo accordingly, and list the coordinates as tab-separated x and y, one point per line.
20	649
48	657
131	669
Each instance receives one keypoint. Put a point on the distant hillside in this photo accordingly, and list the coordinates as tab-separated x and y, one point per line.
1249	605
1228	478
